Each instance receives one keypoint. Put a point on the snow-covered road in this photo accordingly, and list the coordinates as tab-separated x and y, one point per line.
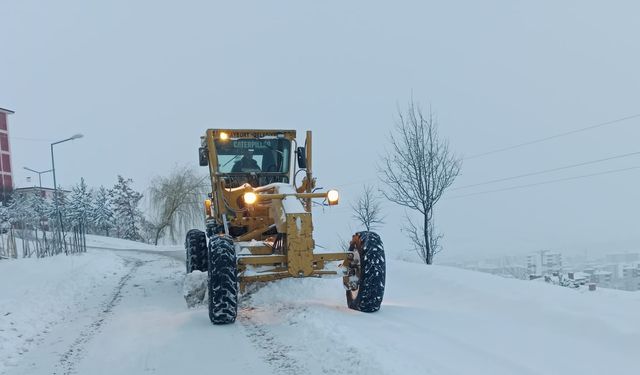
140	326
122	312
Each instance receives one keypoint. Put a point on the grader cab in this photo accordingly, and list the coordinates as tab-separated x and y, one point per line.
259	224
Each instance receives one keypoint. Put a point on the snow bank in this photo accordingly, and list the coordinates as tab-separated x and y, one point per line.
444	320
194	288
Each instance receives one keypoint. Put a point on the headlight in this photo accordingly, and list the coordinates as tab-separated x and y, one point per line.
250	197
333	197
207	207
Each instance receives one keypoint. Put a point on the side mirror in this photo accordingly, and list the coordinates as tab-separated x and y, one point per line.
204	156
302	157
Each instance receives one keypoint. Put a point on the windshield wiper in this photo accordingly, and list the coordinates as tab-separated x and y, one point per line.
230	160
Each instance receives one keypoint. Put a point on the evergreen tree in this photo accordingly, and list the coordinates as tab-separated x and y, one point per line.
77	216
5	216
125	206
5	227
58	221
102	219
37	209
79	206
62	205
19	210
41	208
25	220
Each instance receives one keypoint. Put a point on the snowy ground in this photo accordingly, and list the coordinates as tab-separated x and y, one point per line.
41	297
122	312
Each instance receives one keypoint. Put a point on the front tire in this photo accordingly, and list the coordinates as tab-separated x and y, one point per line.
222	282
196	251
367	272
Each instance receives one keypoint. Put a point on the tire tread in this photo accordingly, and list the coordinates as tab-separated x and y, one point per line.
222	280
373	274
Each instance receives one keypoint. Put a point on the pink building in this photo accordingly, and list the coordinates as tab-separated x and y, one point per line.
6	177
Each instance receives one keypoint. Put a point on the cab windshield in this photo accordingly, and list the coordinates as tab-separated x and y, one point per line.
262	156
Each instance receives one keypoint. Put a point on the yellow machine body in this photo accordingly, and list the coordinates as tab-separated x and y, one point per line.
273	235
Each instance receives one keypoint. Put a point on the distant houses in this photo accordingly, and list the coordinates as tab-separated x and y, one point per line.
544	263
616	271
631	277
46	193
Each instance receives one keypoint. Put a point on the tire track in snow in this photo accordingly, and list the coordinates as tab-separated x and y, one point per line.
70	358
276	353
314	351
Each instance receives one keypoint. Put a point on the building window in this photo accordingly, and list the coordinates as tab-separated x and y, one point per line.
7	182
4	142
3	121
6	164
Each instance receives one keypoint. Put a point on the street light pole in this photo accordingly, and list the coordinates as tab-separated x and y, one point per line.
41	195
40	173
55	184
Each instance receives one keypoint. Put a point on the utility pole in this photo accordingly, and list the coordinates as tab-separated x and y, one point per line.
60	227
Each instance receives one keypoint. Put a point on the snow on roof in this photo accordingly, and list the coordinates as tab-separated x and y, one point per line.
37	188
631	265
603	273
28	188
580	275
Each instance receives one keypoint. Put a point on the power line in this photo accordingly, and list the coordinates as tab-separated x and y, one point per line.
547	171
523	144
544	139
547	182
520	175
30	139
357	182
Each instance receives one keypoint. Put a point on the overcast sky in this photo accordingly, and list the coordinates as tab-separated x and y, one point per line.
142	80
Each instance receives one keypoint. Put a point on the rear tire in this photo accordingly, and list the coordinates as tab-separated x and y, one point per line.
196	247
222	282
365	286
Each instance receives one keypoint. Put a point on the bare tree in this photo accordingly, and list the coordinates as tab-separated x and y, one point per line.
177	201
417	171
367	209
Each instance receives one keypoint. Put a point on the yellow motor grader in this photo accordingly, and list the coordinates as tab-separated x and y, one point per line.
259	225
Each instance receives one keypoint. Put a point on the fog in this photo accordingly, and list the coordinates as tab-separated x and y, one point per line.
143	80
